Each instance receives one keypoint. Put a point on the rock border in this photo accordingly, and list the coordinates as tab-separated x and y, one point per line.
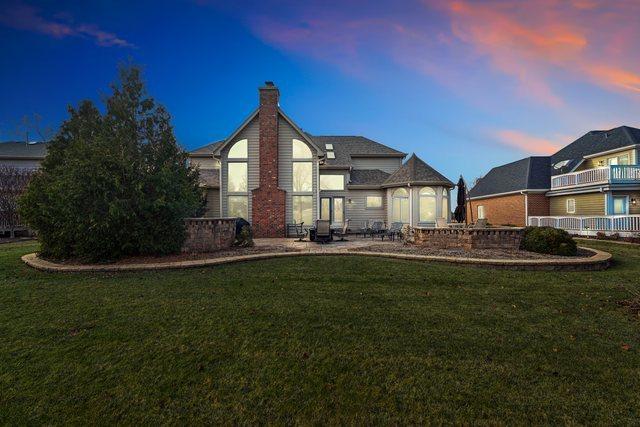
599	261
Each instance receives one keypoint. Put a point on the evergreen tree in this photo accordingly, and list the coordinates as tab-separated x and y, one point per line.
113	184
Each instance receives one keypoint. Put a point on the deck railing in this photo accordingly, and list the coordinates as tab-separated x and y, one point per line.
586	224
609	174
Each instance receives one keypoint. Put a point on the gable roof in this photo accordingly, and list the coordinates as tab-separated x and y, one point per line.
346	147
22	150
253	115
373	177
205	150
597	141
416	171
530	173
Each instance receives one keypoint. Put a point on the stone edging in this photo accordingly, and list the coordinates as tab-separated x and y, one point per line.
599	261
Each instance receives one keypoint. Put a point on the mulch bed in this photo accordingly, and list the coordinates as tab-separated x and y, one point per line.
461	253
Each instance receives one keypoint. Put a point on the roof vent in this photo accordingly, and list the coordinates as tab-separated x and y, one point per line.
561	164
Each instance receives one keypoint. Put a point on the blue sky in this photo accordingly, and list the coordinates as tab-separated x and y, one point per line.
466	85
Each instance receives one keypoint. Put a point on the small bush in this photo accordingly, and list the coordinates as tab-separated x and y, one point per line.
549	240
245	238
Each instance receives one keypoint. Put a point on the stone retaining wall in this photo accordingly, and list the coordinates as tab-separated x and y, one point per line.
469	238
209	234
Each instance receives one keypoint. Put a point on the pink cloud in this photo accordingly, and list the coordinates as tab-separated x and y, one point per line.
24	17
528	143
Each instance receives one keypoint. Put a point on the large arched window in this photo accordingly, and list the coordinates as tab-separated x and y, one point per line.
301	150
445	204
238	180
400	205
427	204
239	150
302	177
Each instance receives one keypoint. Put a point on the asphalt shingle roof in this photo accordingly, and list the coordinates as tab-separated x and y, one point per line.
22	150
533	173
346	146
206	149
416	170
368	177
597	141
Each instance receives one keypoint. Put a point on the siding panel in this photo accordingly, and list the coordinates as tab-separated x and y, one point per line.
586	204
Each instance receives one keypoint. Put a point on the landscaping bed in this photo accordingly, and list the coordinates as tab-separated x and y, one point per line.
464	253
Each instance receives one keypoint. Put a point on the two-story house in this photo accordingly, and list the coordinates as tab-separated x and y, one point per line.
591	185
273	174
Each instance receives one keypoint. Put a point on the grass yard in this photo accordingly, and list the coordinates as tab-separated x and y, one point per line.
335	340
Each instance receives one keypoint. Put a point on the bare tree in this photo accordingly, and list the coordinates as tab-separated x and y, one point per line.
13	182
31	127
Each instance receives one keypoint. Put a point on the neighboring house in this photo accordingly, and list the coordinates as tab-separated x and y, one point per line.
591	185
22	154
273	174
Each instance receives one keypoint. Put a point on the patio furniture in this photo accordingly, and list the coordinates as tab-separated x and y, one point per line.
323	231
299	231
393	231
342	232
376	229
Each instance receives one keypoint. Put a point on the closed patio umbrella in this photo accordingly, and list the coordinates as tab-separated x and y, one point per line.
460	213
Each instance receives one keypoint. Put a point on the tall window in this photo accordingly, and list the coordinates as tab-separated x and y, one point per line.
302	177
427	204
571	206
400	205
238	180
445	204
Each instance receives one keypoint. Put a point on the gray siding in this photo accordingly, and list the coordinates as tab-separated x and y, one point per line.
21	163
205	162
357	211
286	134
251	134
387	164
213	203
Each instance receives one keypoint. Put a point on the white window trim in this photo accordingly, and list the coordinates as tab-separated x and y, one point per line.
483	215
571	211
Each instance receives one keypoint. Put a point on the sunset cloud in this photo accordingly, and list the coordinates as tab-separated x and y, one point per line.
529	143
24	17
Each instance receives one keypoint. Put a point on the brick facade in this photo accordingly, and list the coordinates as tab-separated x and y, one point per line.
509	209
268	200
538	205
501	210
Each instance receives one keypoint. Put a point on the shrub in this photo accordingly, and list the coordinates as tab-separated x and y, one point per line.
244	239
549	240
113	184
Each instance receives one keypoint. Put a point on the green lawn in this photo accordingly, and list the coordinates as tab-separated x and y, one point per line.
335	339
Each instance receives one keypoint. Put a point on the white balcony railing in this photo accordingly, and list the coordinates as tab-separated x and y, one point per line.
615	174
589	224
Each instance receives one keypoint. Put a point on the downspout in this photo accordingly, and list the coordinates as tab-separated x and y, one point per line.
526	207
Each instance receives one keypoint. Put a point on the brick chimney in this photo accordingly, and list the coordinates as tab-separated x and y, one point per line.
268	200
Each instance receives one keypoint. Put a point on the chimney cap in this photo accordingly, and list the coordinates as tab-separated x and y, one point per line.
269	83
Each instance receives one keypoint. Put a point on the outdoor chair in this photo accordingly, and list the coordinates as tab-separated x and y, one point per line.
376	229
393	231
342	232
300	231
323	231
